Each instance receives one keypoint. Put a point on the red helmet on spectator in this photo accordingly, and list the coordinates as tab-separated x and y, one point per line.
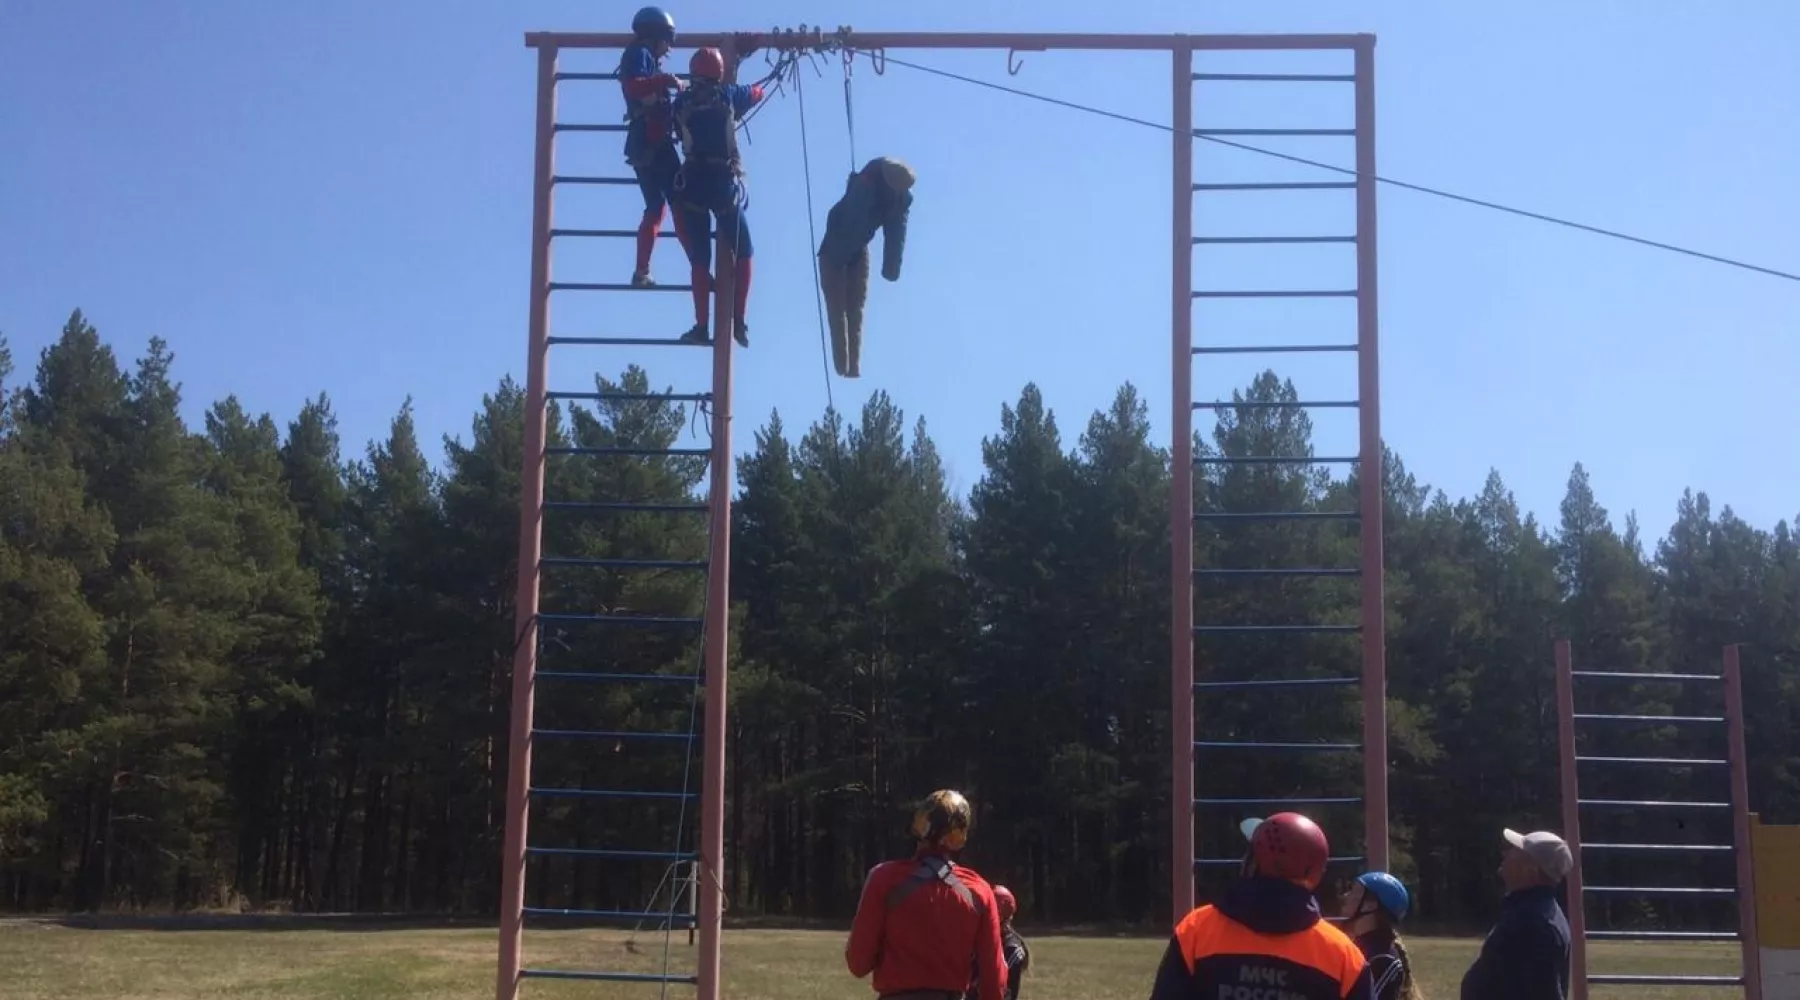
1003	897
1288	846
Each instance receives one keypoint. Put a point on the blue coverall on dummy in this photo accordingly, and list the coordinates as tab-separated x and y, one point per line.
710	186
649	144
879	196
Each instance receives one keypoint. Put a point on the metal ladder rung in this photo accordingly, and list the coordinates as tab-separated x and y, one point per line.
1275	460
1613	980
1664	935
1271	294
1281	515
608	793
662	397
1205	132
641	621
1622	676
1221	240
599	734
611	855
581	127
678	919
1658	847
622	563
1283	77
606	977
1324	801
1336	859
613	286
1260	404
574	675
1669	761
631	452
1322	629
1659	890
1280	349
649	508
619	234
1292	682
1659	719
1263	745
1277	186
1651	804
624	342
1300	572
580	179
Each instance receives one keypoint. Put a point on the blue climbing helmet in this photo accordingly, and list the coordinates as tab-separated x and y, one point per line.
1388	891
653	24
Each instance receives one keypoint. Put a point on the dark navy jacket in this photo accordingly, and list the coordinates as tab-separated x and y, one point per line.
1526	955
646	88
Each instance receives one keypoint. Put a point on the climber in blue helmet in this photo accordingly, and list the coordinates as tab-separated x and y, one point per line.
650	127
1372	910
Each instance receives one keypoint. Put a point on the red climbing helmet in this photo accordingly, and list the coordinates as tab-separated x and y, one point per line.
708	64
1003	898
1288	846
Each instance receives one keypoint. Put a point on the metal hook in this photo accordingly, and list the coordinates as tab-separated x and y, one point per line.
1013	62
878	60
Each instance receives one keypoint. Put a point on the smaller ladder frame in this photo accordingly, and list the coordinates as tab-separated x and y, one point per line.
1738	804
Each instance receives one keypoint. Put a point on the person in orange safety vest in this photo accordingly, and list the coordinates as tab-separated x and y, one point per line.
1265	938
926	927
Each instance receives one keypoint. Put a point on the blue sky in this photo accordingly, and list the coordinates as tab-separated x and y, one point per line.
336	196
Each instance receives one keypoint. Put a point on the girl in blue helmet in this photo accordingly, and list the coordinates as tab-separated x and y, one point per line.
1373	909
650	128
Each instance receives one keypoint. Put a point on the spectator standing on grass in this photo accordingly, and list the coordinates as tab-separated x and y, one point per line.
926	927
1526	955
1012	946
1372	912
1265	938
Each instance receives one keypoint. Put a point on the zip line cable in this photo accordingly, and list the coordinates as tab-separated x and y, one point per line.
813	236
1392	182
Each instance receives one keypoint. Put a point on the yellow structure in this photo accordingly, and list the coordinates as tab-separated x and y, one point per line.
1775	851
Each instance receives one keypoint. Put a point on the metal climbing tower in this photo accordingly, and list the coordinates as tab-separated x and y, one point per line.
521	847
1227	667
1649	836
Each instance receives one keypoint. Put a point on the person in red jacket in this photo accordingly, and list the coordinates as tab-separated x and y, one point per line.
925	923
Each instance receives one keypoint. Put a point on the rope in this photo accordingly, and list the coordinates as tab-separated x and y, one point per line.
1377	178
849	113
813	239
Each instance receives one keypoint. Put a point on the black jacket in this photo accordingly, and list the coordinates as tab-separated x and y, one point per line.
1526	955
1387	969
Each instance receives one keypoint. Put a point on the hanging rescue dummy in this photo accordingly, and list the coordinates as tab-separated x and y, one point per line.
710	185
650	129
879	196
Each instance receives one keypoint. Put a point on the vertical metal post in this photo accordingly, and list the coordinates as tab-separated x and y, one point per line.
1369	472
1748	935
531	537
718	606
1181	499
1571	818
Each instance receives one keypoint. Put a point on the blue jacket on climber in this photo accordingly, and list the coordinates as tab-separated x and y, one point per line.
710	185
879	196
649	129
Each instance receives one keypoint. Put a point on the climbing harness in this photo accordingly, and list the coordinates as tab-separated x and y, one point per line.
932	868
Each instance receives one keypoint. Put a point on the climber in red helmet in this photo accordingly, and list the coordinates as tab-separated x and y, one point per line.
926	927
1265	937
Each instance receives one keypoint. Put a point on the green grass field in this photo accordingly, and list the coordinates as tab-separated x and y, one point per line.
43	961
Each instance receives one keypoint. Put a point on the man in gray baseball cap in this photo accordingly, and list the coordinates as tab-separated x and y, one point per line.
1526	955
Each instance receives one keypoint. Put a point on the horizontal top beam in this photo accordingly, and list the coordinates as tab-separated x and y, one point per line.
1032	42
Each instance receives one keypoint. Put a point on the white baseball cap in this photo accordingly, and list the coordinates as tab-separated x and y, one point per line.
1547	849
